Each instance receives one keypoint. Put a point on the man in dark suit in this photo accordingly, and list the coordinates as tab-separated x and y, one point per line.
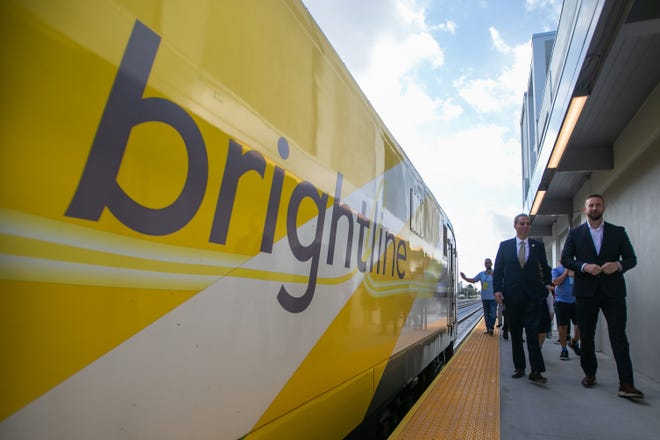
521	280
599	253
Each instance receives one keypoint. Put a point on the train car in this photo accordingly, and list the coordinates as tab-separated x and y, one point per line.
207	231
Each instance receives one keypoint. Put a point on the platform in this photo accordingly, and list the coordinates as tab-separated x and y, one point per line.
475	397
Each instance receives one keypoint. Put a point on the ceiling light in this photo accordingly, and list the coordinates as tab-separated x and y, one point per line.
537	202
572	115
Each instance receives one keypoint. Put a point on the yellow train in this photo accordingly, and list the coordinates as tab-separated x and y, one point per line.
207	231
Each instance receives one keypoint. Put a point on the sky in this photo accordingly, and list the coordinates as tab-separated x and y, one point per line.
447	78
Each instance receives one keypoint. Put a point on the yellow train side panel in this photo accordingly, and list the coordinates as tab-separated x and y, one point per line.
367	328
336	412
63	328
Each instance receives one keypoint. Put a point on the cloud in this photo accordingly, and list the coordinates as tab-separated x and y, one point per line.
551	9
499	44
479	159
392	82
554	5
447	26
491	94
409	110
411	13
482	94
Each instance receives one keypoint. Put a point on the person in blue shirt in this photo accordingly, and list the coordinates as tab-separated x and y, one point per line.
562	279
485	277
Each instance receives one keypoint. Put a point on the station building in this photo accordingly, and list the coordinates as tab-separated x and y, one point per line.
590	123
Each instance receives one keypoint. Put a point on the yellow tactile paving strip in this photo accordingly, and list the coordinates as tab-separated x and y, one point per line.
463	402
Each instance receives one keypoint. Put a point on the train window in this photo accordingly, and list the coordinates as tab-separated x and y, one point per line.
425	217
416	213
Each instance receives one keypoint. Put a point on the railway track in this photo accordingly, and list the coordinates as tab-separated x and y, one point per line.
470	311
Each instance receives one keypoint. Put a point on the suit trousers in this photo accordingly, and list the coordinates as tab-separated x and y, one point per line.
526	314
615	312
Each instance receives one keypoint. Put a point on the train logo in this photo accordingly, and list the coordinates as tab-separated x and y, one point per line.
126	108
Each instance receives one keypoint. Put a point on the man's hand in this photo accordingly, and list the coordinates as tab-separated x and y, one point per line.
592	269
499	297
610	267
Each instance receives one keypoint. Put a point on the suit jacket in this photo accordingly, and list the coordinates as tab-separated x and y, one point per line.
579	249
517	283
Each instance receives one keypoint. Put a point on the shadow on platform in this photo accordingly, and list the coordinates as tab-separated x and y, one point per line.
564	409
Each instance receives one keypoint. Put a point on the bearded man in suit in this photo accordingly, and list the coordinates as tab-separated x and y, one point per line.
600	253
521	280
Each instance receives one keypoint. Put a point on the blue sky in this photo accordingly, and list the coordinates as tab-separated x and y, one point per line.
447	77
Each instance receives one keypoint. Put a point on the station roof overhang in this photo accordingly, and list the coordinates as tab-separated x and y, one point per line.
617	74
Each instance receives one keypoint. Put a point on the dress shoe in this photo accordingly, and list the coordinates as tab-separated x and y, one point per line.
536	378
589	381
518	373
627	390
505	335
490	332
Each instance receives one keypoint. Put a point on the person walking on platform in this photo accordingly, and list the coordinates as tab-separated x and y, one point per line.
485	277
599	253
521	280
562	279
